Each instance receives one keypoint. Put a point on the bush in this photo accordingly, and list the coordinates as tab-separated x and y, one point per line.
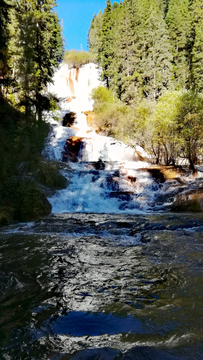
23	200
75	59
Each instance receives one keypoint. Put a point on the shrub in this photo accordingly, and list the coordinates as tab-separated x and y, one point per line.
75	59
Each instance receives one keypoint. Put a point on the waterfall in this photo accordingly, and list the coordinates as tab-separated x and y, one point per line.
119	188
73	87
121	184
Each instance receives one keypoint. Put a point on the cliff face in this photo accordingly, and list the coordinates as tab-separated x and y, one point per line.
73	86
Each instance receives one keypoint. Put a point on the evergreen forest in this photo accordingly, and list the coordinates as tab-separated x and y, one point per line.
31	48
151	56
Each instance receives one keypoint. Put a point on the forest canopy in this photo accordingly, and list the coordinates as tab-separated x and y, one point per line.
150	53
31	47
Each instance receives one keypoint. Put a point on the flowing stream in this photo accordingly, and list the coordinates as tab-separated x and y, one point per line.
111	274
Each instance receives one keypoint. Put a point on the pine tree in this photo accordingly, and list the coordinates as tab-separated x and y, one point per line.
106	43
178	20
126	55
4	37
197	50
156	57
40	43
94	36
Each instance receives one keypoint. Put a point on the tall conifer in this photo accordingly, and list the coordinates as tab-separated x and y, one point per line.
197	51
126	62
106	42
156	58
4	36
178	20
95	36
41	47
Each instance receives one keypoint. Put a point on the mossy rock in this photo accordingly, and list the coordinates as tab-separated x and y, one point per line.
6	215
187	206
33	205
190	202
49	175
26	200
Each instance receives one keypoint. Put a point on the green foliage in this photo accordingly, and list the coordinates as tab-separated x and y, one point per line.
178	127
106	110
94	36
34	50
75	59
106	50
178	20
102	97
4	36
170	129
22	169
150	53
164	140
115	118
197	50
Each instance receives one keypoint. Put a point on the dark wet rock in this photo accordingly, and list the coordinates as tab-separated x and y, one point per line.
68	119
112	182
116	173
146	353
131	179
75	144
99	165
6	215
123	195
145	239
96	354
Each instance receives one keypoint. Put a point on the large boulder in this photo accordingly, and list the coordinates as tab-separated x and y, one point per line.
75	144
68	119
192	201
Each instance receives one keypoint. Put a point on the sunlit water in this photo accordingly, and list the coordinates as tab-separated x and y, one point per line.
111	274
110	190
101	286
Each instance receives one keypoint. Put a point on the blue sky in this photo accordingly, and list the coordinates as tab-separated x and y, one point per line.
76	16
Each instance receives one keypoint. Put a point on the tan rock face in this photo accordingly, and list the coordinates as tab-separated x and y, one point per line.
164	173
90	117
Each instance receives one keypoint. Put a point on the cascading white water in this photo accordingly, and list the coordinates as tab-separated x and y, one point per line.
111	190
124	186
73	87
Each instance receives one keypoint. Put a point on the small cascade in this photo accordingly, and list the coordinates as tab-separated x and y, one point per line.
104	191
119	186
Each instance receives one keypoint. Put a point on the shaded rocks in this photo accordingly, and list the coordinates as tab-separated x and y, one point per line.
191	201
122	195
68	119
99	165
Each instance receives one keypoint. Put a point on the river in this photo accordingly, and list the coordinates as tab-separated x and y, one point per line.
111	274
102	286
